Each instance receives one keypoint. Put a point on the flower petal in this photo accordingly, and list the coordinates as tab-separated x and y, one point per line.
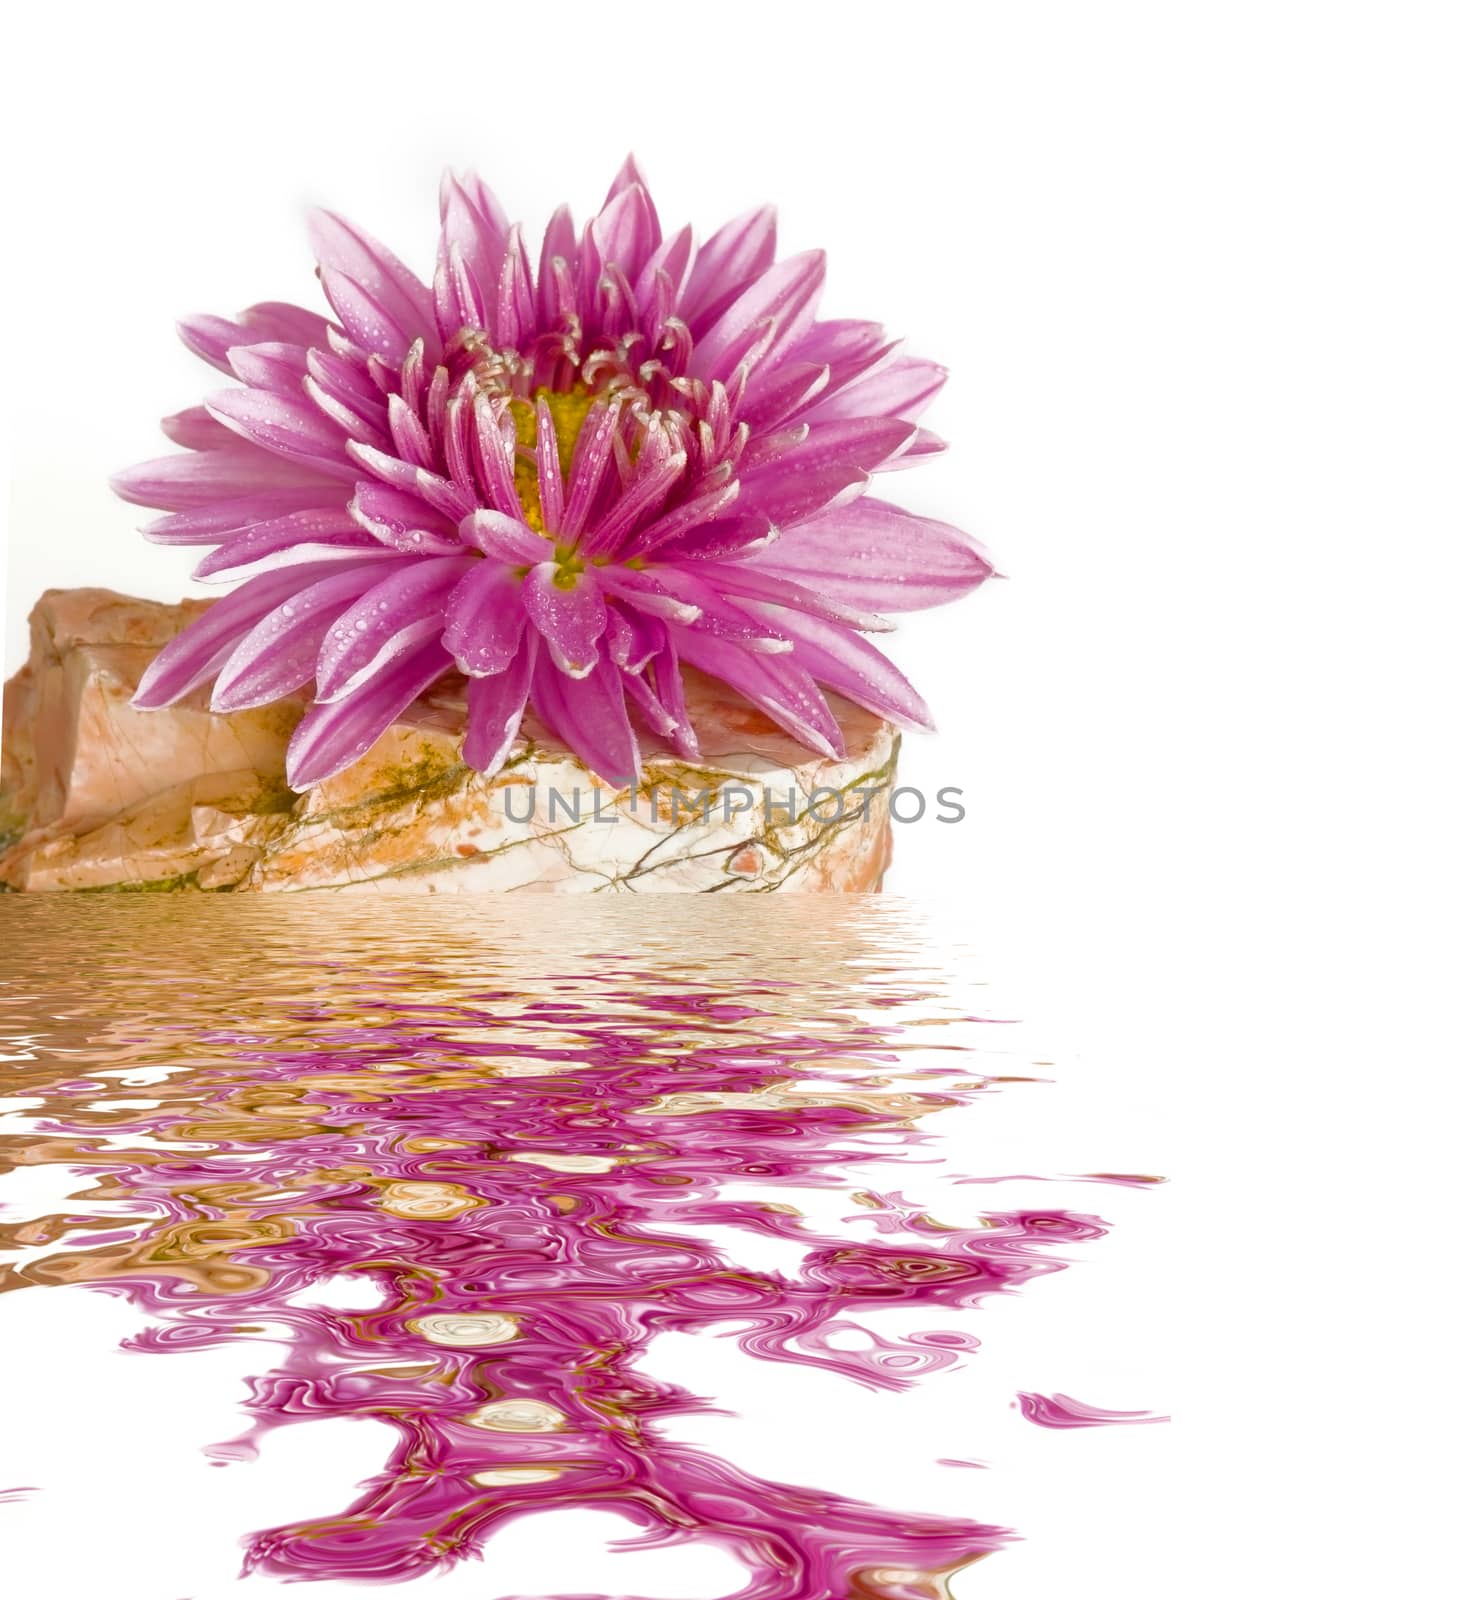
591	457
274	365
787	295
212	337
369	324
332	736
277	656
557	270
845	661
775	684
504	538
570	620
633	638
747	581
196	429
388	620
786	493
629	176
203	646
288	541
728	262
290	428
589	716
403	521
210	523
516	306
623	235
903	388
199	478
485	619
341	247
864	443
877	556
495	709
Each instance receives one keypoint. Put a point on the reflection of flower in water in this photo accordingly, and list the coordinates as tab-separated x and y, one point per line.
529	1234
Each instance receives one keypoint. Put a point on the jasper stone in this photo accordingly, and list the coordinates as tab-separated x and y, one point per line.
97	795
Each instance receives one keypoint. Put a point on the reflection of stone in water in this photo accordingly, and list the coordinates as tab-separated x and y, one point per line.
518	1416
441	1200
464	1329
471	1122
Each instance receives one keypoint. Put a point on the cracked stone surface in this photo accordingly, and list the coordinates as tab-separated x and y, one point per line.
97	796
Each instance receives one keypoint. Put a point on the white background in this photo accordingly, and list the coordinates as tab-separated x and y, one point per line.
1195	270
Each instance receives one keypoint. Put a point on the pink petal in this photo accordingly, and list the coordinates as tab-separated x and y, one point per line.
703	507
494	443
217	520
315	535
840	343
663	676
723	538
717	615
570	620
277	366
903	388
774	684
358	425
846	662
516	309
649	705
440	493
791	388
388	620
349	380
728	262
505	538
629	177
557	298
656	473
203	646
624	234
461	302
332	736
647	591
550	467
403	521
591	457
277	656
196	429
485	620
196	480
411	440
589	716
786	494
863	444
367	322
750	582
212	337
633	638
495	709
876	556
342	248
673	259
474	231
290	428
787	294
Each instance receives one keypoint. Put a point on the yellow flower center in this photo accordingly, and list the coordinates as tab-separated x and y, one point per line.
569	410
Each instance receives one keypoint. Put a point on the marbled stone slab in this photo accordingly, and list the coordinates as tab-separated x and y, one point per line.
96	795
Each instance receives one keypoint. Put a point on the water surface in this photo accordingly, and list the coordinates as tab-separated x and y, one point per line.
517	1119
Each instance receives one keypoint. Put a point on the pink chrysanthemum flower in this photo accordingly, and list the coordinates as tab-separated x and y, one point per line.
564	485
